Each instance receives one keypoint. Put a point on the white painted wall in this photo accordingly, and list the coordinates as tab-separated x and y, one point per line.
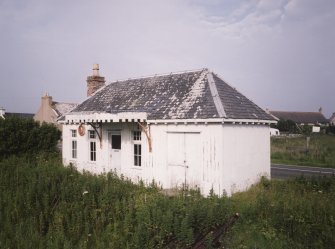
246	156
225	157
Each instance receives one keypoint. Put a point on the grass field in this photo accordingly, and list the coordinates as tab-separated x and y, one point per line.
294	150
46	205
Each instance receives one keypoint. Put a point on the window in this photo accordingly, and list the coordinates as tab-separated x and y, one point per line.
74	144
74	149
116	142
93	151
93	146
91	134
137	136
73	133
137	154
137	148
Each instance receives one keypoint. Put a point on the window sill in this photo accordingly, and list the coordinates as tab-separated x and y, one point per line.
137	167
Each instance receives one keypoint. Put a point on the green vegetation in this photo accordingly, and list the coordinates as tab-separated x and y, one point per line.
296	214
293	150
25	136
46	205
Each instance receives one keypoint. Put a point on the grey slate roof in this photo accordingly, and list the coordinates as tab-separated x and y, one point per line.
301	117
185	95
63	108
19	115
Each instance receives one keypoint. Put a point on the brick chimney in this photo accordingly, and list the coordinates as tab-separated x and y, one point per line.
95	81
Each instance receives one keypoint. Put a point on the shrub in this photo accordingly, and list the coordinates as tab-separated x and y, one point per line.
26	136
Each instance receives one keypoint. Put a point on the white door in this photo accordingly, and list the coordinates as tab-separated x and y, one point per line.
184	158
114	150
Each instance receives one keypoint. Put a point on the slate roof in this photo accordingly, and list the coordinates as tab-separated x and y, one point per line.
63	108
188	95
19	115
301	117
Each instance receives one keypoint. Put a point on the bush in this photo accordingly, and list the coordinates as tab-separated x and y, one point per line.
26	136
287	126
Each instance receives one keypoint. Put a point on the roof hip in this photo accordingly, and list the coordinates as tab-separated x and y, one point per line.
216	98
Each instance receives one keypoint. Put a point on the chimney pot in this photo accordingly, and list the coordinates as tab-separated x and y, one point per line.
95	69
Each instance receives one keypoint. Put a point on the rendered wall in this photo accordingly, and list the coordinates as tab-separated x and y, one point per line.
246	156
227	158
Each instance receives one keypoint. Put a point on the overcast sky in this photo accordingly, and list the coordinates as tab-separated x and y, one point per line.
279	53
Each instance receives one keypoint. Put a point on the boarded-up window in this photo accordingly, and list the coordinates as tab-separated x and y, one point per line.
184	157
183	147
176	151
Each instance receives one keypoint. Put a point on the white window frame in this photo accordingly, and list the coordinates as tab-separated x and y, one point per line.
73	133
92	146
74	144
74	149
137	148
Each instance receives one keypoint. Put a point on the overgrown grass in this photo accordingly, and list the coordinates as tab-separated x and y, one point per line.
321	151
286	214
44	205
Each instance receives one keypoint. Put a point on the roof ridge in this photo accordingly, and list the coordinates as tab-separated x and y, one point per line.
296	111
158	75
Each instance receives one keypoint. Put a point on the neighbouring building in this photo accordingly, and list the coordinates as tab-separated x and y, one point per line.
4	114
332	119
301	118
180	128
49	111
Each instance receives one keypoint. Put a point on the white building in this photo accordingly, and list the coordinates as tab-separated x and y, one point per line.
181	128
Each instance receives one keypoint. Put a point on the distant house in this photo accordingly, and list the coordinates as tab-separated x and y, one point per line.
49	111
4	114
332	119
189	128
301	118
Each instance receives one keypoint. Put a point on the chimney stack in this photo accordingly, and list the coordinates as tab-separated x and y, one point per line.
47	100
95	81
320	109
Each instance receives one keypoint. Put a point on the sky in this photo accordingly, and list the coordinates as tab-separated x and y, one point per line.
279	53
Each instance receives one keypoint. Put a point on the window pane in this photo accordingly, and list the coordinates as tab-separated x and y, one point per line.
74	149
137	154
116	142
91	134
136	135
93	151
